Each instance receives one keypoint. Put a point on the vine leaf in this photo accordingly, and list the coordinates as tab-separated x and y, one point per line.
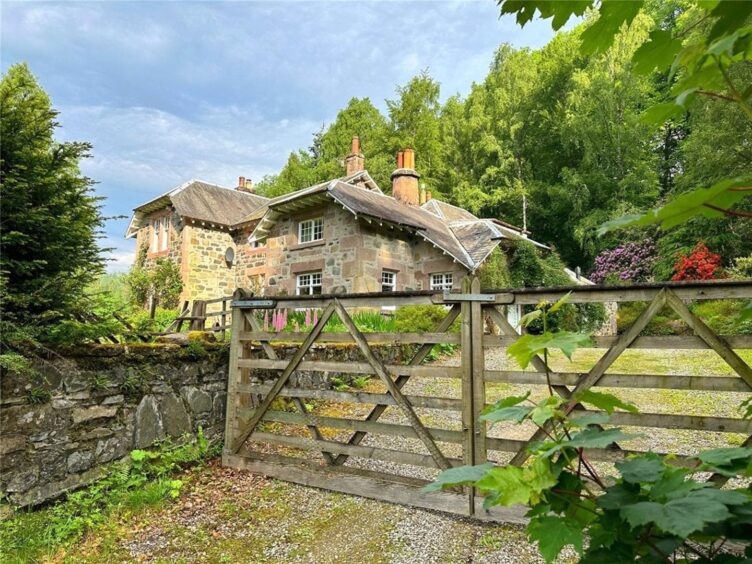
553	534
526	347
606	402
643	469
685	515
713	202
728	461
458	476
656	54
506	409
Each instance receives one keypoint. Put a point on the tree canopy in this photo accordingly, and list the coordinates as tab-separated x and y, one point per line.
50	217
564	127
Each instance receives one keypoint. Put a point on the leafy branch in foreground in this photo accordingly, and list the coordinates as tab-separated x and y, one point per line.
658	509
697	59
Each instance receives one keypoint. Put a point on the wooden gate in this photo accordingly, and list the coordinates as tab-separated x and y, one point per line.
317	445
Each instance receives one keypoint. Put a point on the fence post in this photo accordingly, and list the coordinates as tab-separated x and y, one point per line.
468	422
478	367
233	377
198	315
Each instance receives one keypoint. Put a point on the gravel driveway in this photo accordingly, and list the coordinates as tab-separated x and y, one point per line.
234	516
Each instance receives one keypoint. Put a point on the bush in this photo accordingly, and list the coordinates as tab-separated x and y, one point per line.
420	319
162	319
163	282
631	262
700	264
742	269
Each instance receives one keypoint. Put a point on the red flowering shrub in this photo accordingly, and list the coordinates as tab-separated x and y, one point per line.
700	264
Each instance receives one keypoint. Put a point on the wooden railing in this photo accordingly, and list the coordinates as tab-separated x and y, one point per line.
263	438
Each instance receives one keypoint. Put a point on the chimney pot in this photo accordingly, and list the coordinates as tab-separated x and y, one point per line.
428	196
355	161
405	187
241	181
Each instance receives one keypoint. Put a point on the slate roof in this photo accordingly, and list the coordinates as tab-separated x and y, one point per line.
457	232
202	201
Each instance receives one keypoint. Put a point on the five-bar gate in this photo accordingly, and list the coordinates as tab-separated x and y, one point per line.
386	442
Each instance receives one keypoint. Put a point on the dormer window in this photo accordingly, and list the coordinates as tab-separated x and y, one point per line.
160	234
311	230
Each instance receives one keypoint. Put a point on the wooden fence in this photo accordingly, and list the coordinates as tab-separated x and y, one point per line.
332	451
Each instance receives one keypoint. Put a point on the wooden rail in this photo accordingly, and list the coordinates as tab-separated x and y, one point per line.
317	449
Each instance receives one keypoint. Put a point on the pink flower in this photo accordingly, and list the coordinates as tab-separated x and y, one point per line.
315	317
307	317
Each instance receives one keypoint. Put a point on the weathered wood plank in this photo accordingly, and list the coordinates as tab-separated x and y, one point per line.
391	338
394	391
680	342
450	404
355	368
658	381
335	447
340	479
468	421
282	380
403	377
711	339
478	382
233	377
635	293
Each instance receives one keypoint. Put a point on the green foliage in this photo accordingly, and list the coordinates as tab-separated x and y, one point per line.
148	478
162	282
141	321
38	395
51	219
420	319
494	273
654	511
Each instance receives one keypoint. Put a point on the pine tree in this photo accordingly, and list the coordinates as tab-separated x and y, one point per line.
50	217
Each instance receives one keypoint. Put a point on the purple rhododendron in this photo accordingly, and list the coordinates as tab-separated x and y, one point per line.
631	262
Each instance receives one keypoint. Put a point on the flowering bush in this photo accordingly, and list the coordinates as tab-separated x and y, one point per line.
631	262
700	264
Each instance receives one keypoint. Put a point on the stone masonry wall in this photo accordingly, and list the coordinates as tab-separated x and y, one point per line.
208	274
107	400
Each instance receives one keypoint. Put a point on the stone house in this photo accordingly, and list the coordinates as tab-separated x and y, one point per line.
343	235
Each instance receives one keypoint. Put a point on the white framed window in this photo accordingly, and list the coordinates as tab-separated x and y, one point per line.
388	281
442	281
165	233
311	230
309	284
160	234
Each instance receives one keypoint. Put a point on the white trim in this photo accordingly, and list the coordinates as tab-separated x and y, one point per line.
310	283
443	284
393	283
313	221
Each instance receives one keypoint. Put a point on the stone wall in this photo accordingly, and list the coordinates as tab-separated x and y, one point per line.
207	275
105	401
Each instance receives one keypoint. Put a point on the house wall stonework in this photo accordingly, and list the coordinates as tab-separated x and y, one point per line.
207	274
352	256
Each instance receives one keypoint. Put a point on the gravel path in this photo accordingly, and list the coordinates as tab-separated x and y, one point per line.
232	516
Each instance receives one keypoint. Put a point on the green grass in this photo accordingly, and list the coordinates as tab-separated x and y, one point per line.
147	481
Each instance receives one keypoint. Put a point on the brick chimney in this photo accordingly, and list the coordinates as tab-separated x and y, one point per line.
355	161
245	185
405	180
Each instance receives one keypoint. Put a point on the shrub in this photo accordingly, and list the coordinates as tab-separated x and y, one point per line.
700	264
631	262
163	282
162	319
742	269
420	318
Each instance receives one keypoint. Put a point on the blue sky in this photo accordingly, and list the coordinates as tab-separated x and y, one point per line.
168	91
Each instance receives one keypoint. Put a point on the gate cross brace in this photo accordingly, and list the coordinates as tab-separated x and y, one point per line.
399	398
299	403
597	371
283	378
705	333
400	381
